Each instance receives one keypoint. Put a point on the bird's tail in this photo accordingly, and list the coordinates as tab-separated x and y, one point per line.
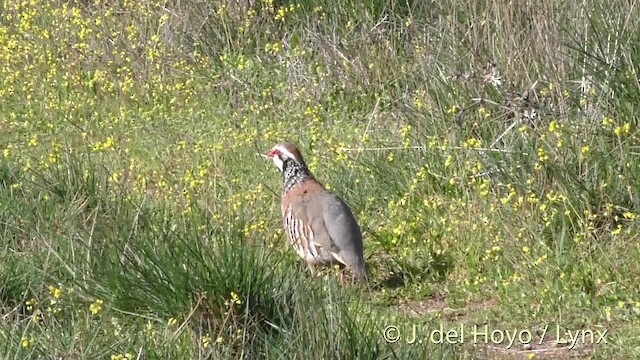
360	271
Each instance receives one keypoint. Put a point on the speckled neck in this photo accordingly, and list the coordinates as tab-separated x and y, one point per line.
294	173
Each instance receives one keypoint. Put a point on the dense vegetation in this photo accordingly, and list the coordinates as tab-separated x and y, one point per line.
489	151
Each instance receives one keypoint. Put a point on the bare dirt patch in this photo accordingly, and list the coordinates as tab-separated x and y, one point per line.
550	349
439	305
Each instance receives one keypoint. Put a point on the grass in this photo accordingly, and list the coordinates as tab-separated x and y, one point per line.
488	150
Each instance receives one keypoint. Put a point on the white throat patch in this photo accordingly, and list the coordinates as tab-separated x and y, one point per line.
278	161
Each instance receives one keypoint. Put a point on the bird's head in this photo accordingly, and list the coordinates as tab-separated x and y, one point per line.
283	153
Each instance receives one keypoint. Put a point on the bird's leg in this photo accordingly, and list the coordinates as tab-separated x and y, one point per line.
312	269
342	277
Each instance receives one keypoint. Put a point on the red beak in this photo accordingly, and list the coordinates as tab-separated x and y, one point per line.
271	153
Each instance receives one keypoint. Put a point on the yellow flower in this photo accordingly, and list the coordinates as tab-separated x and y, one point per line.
235	299
617	231
448	161
96	307
408	22
390	157
472	142
127	356
542	156
33	141
624	129
206	341
108	143
26	341
172	321
30	303
484	112
56	292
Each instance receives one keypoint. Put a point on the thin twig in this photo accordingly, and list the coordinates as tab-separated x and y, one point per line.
372	116
382	20
382	148
191	313
422	147
504	133
127	246
91	232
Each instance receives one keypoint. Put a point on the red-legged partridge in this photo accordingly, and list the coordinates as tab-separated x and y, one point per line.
320	226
